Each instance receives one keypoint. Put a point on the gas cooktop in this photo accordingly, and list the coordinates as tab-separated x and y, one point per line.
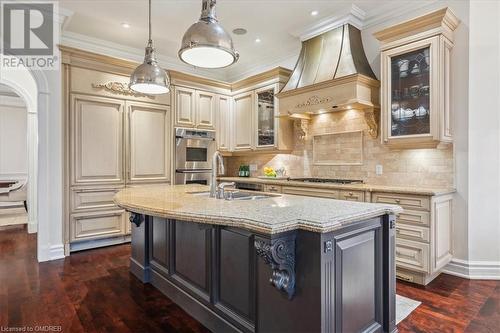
327	180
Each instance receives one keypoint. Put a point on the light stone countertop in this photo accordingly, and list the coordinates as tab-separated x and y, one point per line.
271	215
356	187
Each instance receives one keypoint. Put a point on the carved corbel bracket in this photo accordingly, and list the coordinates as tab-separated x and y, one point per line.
279	253
136	219
372	117
301	128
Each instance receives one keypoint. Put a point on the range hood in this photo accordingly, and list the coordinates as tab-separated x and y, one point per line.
332	74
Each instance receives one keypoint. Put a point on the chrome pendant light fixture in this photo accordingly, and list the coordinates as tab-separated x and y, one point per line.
149	77
206	44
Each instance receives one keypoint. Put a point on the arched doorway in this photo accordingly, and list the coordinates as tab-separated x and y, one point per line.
23	84
32	87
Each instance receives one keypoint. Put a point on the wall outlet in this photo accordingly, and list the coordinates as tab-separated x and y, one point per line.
379	169
253	167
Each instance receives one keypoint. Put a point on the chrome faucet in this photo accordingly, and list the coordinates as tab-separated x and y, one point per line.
217	162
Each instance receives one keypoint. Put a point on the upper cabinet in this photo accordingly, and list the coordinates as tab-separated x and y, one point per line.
224	122
243	129
415	77
265	116
148	136
194	108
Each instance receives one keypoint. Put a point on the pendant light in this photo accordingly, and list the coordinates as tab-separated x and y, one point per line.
149	77
206	44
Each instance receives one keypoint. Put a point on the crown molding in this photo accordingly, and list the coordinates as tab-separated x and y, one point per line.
350	15
115	50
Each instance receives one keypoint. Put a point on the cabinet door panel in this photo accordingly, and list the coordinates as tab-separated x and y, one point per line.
148	143
185	107
192	257
243	121
88	226
96	140
205	110
224	123
236	285
264	120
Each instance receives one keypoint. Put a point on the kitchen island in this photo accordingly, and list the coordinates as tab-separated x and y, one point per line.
276	263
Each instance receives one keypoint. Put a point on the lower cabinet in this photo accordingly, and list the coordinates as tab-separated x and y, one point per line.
423	235
97	225
340	281
215	265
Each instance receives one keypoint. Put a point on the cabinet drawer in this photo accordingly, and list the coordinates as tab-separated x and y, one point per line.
414	217
311	192
352	196
86	226
273	188
413	232
412	255
404	200
89	199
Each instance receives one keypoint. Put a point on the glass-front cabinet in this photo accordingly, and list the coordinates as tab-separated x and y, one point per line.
415	80
265	117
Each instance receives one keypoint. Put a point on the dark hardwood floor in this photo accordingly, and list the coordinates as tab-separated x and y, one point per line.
92	291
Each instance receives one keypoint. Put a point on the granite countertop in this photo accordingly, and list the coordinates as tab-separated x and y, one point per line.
359	187
271	215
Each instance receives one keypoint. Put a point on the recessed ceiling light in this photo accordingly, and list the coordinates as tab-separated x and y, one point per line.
257	40
125	25
314	13
239	31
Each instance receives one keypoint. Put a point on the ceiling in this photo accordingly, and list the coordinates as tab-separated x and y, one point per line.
276	23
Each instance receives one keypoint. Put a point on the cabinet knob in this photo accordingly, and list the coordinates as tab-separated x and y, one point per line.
398	200
350	193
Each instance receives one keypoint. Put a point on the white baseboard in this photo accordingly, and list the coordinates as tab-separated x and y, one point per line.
474	270
56	252
32	227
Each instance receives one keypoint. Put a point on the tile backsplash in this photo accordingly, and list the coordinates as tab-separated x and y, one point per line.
402	167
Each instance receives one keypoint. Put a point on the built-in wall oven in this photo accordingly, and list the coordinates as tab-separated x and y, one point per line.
193	155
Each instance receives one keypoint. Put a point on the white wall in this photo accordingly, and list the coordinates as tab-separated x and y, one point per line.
484	134
13	134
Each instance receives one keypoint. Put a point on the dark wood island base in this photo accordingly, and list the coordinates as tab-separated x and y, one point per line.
234	280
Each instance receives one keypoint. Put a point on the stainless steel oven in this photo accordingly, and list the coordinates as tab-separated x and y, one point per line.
193	155
193	177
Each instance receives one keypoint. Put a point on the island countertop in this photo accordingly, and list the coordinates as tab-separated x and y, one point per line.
271	215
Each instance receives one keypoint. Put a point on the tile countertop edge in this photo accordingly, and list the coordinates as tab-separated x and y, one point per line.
355	187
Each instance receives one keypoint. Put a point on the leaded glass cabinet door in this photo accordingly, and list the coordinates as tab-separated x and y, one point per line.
411	90
265	109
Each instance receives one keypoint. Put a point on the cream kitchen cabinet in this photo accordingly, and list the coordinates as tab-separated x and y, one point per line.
194	108
243	129
415	78
423	234
96	140
224	111
148	143
112	143
256	126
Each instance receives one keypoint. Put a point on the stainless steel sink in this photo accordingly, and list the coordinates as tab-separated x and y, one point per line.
239	195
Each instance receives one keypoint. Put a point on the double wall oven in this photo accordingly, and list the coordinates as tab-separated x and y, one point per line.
193	155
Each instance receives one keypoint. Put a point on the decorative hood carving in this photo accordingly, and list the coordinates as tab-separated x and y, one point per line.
332	74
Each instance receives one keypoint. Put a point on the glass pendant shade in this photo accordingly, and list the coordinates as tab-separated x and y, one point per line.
149	78
206	44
